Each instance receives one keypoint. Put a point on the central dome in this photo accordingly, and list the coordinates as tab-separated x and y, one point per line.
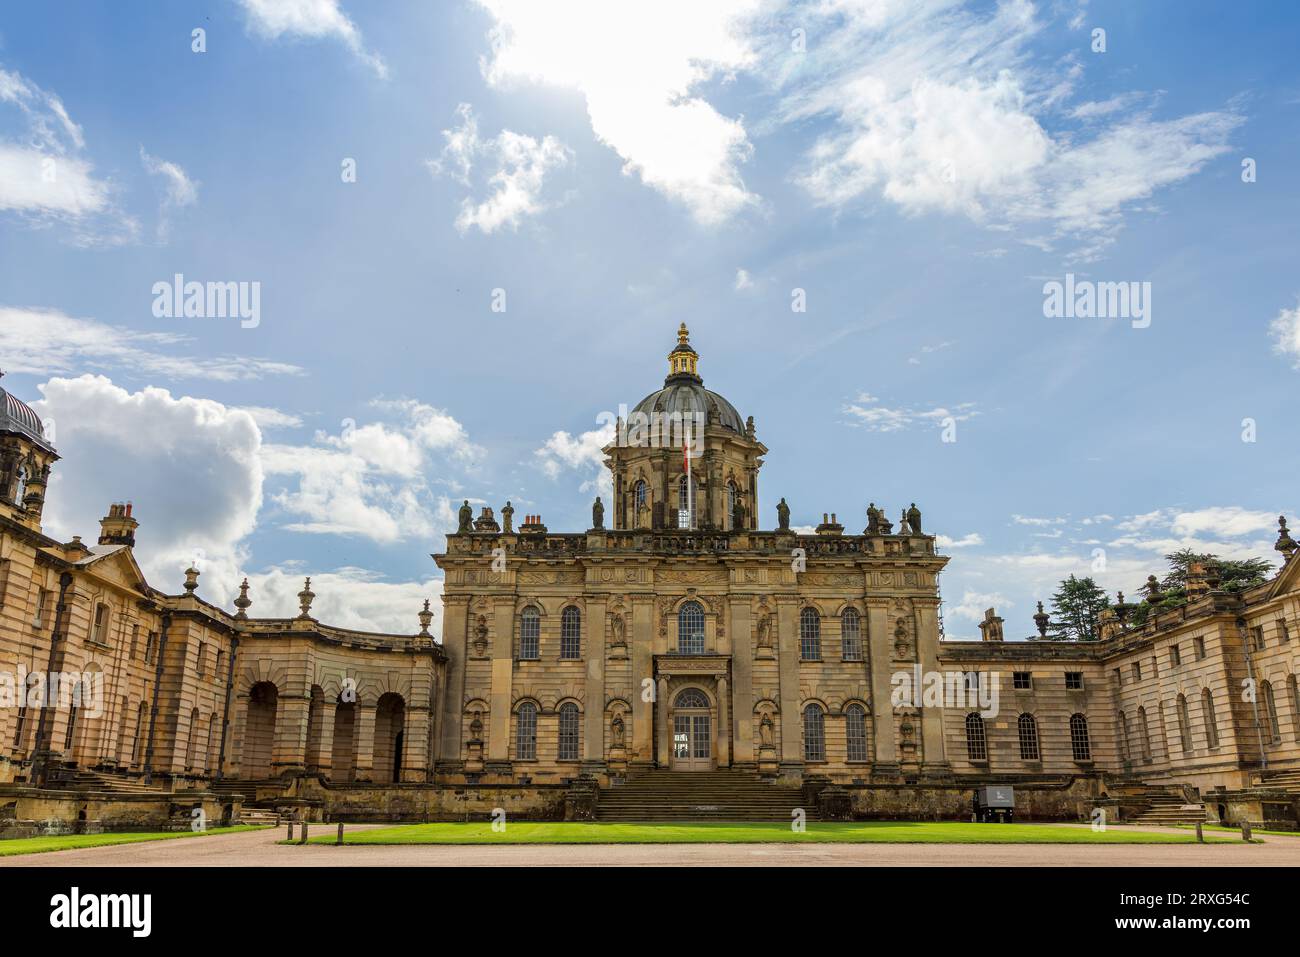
684	393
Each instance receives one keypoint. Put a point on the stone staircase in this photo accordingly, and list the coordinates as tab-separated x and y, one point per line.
722	795
84	780
1288	781
1168	811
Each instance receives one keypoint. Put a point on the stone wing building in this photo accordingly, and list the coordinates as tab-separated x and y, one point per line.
674	657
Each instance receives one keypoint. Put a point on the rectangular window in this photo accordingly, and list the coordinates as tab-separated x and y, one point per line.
1119	677
973	682
200	664
1021	680
135	640
149	647
216	675
100	634
1155	667
1137	671
1257	637
1074	681
1198	645
1175	655
1284	633
42	598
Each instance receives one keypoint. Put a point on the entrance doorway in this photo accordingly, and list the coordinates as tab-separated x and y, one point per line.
692	732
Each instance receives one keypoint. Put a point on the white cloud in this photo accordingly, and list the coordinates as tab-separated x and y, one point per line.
190	465
1285	330
868	413
639	67
1030	520
938	106
372	480
310	19
519	165
145	446
583	453
44	175
178	189
973	605
743	280
1231	520
966	541
347	598
268	418
45	341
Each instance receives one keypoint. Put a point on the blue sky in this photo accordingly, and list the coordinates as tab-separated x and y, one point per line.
919	170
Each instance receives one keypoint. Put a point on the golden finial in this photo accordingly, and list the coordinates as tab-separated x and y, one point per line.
683	358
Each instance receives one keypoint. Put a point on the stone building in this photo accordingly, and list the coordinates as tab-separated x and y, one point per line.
675	639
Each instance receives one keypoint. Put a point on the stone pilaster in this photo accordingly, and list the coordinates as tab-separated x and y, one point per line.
503	664
742	669
880	654
594	732
455	638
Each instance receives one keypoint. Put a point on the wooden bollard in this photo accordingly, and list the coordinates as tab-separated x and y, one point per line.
340	837
1200	834
304	832
1245	830
291	830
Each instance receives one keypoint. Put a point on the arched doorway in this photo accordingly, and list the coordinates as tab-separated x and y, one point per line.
390	718
692	724
259	730
343	761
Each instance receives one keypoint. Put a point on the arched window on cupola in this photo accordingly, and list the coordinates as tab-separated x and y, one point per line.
733	497
20	485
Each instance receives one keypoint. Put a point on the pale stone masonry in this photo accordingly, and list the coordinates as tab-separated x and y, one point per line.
674	633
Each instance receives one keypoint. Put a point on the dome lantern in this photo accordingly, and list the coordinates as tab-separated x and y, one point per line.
683	359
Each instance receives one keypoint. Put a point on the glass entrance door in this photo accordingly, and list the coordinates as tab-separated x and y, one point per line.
692	742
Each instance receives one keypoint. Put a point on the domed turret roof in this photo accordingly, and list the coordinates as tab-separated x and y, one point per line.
684	391
17	417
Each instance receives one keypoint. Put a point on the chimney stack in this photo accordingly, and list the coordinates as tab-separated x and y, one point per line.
118	527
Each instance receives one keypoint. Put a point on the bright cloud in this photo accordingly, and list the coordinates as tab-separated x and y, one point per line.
517	164
312	20
868	412
45	341
178	189
582	453
44	174
1285	330
639	69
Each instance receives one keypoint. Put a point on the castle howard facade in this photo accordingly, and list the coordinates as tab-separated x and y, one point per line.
674	636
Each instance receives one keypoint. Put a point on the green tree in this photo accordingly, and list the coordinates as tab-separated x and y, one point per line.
1076	608
1233	574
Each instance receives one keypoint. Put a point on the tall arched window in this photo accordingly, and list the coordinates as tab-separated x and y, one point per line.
1211	725
810	635
814	733
1144	729
530	632
1125	753
1184	726
690	629
571	633
733	496
640	495
568	731
1079	742
526	732
855	732
851	635
1027	731
1294	693
20	486
977	748
1270	708
685	500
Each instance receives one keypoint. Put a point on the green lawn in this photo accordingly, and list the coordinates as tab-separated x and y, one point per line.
866	832
68	842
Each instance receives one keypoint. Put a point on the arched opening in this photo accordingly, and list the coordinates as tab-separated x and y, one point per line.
1027	734
692	724
1080	745
690	629
259	730
976	743
390	719
814	733
343	760
315	727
